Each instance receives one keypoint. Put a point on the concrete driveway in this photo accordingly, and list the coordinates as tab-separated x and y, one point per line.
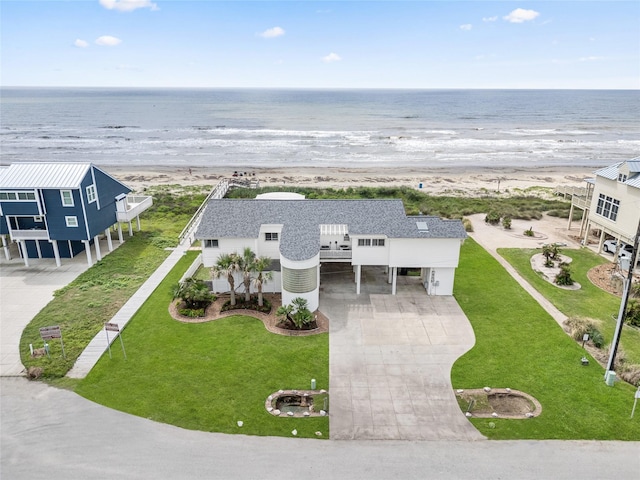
391	358
24	291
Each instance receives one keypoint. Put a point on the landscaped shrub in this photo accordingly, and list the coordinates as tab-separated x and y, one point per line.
191	312
577	327
563	278
633	313
252	304
506	223
492	218
468	226
595	336
529	232
194	293
296	315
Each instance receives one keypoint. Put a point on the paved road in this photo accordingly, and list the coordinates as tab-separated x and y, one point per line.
52	434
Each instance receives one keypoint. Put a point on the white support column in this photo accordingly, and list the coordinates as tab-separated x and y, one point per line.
395	277
87	249
71	254
96	242
390	275
56	252
570	217
38	248
130	230
138	221
601	241
24	253
107	233
120	238
5	247
586	234
358	274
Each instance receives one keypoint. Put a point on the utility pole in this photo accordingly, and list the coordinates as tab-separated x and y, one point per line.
623	304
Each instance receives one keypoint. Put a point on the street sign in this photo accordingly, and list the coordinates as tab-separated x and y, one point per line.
114	327
47	333
111	327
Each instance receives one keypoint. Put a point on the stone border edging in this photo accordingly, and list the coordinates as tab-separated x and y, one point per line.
269	320
506	391
269	404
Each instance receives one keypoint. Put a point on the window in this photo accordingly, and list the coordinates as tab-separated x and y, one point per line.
71	221
608	207
271	237
368	242
67	198
211	243
91	193
622	177
13	196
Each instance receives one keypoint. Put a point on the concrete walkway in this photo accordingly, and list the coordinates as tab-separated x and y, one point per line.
98	345
24	291
391	357
491	238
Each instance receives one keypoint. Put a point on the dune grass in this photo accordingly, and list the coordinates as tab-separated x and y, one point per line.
588	302
518	345
207	376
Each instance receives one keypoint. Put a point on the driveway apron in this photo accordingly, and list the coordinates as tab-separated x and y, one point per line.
391	358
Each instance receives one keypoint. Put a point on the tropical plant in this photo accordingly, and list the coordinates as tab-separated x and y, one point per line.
563	277
529	233
635	290
492	218
284	311
194	293
506	223
297	311
632	316
246	266
227	265
260	264
551	253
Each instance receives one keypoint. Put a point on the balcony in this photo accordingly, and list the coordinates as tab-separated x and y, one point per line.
29	234
129	207
341	254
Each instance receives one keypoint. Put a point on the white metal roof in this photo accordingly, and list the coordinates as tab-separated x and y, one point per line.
43	175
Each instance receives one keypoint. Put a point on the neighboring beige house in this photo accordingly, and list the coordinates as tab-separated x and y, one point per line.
611	203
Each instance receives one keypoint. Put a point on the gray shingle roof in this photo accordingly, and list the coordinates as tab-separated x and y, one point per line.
301	220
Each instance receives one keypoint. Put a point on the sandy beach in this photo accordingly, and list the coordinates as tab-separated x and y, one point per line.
434	181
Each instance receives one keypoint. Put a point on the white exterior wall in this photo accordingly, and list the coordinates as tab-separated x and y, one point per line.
313	297
628	213
226	245
370	255
424	252
271	248
440	281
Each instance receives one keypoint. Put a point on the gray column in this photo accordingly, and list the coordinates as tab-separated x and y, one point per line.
5	247
358	274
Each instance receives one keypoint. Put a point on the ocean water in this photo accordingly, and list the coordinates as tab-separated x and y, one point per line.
336	128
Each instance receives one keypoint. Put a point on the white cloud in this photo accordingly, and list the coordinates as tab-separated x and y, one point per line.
466	26
590	59
520	15
81	43
332	57
272	32
108	41
128	5
489	19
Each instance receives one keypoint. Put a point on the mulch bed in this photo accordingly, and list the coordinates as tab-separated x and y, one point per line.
270	320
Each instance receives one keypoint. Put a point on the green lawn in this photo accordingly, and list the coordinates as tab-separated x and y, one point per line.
589	301
207	376
518	345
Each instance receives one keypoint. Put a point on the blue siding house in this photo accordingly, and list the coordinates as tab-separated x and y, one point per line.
57	210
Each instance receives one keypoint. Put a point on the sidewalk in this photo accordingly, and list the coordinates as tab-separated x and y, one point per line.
97	346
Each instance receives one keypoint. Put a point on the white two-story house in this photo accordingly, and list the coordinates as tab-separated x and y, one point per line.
302	234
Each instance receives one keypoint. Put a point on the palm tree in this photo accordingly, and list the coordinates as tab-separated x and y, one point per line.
260	264
246	262
227	265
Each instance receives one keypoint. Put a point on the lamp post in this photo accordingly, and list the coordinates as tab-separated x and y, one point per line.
623	304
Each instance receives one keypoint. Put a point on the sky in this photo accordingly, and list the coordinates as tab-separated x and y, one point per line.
321	44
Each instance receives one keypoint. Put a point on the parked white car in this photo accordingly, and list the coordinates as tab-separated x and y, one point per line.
610	246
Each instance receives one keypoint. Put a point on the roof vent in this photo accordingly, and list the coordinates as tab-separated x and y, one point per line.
422	226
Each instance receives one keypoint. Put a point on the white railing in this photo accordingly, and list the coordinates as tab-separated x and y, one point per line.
135	205
218	192
335	254
34	234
